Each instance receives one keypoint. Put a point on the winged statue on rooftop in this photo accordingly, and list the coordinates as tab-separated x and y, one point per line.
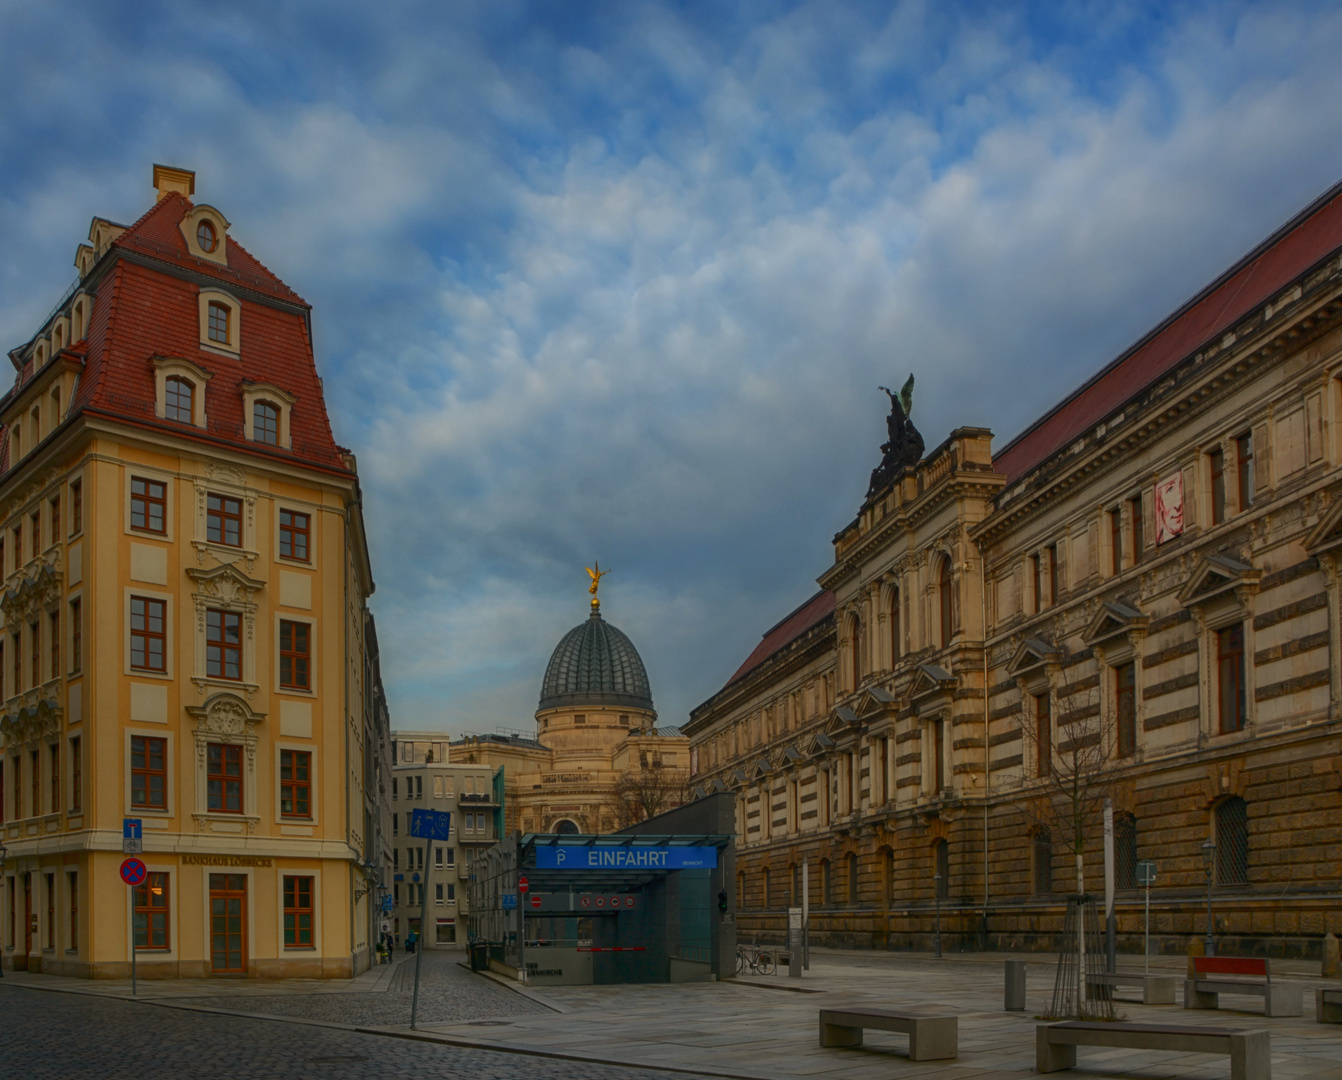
904	444
596	574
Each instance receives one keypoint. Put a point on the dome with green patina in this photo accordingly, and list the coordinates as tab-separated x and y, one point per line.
595	664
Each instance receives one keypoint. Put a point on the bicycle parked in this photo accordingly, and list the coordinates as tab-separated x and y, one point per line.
760	961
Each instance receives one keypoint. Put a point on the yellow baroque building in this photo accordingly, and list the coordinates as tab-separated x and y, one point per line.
598	761
186	641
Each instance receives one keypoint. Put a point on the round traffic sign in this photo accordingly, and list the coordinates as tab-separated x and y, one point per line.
629	900
600	901
522	884
614	901
133	871
585	901
536	900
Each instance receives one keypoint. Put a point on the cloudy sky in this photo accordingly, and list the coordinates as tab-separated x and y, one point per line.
618	280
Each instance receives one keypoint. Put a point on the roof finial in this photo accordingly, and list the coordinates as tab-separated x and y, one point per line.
596	574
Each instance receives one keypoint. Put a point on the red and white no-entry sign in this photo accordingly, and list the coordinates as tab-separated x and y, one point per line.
522	885
536	900
585	901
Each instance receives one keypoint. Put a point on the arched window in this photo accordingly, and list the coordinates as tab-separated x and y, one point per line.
852	878
894	626
564	827
206	237
266	423
218	327
855	645
1043	862
942	860
178	397
1125	850
944	593
1232	842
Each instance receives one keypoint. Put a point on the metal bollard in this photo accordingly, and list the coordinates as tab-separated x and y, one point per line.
1015	985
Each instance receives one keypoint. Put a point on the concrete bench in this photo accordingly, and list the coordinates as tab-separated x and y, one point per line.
1216	975
1250	1051
1328	1006
933	1030
1156	989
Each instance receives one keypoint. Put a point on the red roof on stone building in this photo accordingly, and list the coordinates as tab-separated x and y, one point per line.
814	611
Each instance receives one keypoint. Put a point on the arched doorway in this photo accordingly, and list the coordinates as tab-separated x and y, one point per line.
564	827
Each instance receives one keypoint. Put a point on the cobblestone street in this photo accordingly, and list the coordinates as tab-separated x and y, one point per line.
62	1036
448	992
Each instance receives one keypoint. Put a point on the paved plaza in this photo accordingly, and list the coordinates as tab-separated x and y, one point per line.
757	1028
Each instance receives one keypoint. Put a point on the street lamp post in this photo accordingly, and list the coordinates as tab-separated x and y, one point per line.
936	892
1209	860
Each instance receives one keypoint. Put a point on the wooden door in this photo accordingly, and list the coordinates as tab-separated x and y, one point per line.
228	924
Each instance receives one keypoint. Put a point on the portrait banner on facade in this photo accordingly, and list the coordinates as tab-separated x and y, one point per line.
1170	508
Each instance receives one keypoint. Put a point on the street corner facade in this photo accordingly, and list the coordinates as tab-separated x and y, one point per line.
187	659
1145	580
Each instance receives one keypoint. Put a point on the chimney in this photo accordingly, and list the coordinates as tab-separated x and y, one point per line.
167	179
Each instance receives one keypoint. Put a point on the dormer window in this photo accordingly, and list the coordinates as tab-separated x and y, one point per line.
218	325
206	237
220	321
266	423
178	399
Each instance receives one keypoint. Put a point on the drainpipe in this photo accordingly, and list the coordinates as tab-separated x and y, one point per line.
987	763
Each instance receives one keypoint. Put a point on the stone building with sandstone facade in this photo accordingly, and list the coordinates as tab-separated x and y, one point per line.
1152	564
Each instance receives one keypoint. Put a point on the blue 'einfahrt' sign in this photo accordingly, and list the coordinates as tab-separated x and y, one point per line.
431	824
632	858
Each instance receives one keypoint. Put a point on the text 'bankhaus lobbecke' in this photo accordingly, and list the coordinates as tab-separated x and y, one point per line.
186	641
1146	582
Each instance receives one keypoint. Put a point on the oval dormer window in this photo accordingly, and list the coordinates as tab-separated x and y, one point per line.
206	237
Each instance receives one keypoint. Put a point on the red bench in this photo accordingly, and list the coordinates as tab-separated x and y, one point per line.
1216	975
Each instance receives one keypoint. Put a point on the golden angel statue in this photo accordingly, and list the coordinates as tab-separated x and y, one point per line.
596	574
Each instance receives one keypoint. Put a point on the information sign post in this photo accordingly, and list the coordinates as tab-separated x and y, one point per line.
1146	876
133	873
429	825
522	886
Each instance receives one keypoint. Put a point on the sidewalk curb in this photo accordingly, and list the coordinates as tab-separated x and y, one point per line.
517	987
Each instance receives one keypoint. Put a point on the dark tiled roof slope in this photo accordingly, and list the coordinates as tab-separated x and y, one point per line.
815	610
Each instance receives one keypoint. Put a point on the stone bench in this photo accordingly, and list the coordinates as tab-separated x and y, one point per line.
1250	1051
1156	989
933	1030
1328	1006
1216	975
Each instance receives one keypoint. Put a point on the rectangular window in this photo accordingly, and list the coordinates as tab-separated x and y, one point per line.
223	778
35	778
151	913
1230	677
72	877
2	791
297	912
76	506
35	652
51	910
437	858
1125	687
1244	463
223	520
451	856
1216	461
1053	587
55	763
76	775
218	323
17	770
35	521
1138	529
148	505
938	750
17	644
395	824
1037	580
419	787
294	655
148	634
18	546
295	783
55	628
2	669
223	644
396	896
294	535
55	518
76	637
438	893
1043	717
3	568
149	772
451	893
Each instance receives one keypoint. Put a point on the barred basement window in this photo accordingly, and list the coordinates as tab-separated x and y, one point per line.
1232	842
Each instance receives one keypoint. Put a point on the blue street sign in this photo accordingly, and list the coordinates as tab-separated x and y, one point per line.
633	858
431	824
509	901
386	903
130	828
399	877
414	877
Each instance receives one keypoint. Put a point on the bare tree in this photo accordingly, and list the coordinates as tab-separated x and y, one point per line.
647	792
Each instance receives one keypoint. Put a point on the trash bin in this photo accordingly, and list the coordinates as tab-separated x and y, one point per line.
479	956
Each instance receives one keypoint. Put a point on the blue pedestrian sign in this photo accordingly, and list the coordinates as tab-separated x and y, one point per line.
510	901
131	841
431	824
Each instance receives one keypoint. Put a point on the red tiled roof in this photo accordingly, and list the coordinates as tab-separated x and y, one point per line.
1289	252
815	610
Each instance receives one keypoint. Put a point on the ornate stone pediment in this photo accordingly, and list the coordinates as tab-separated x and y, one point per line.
1219	577
1115	618
38	590
228	719
932	689
225	584
32	717
1326	537
875	702
819	744
1034	655
842	721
